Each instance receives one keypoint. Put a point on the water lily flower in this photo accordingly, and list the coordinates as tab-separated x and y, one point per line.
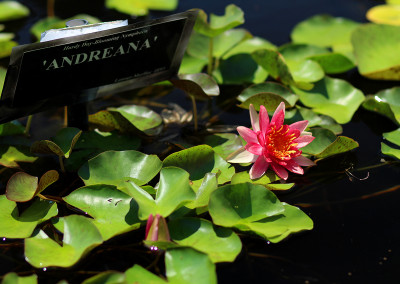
272	143
157	229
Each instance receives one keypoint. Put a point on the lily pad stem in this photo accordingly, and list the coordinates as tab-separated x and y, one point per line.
28	125
48	198
194	113
60	158
210	67
50	8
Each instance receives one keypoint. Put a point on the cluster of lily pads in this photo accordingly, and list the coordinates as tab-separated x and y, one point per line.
195	204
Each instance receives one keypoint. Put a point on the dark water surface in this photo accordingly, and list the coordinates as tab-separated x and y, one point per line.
357	224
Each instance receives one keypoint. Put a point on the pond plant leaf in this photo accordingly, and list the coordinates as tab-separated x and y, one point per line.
62	143
269	87
107	277
140	8
342	144
15	225
220	244
6	47
235	205
191	64
140	117
224	143
12	10
199	85
375	47
233	17
173	192
11	128
116	167
270	100
13	278
104	141
333	97
208	186
11	156
392	137
249	46
384	14
113	211
198	161
266	180
140	275
42	251
3	72
22	187
385	102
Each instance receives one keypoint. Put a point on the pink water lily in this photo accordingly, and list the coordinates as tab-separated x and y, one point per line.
272	143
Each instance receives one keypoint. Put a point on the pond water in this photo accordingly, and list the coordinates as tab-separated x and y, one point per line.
356	220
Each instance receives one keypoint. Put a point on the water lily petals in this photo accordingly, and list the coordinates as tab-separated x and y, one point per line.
254	118
242	156
259	168
303	161
280	171
255	149
264	119
303	141
279	115
294	167
299	125
249	135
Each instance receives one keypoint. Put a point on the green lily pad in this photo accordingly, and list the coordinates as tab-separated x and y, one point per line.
141	117
13	225
393	137
239	69
384	14
116	167
270	100
56	23
2	78
113	211
140	8
11	156
224	143
62	144
266	180
342	144
108	121
173	192
208	186
333	63
198	161
12	10
140	275
11	128
385	102
13	278
375	47
326	31
220	244
107	277
332	97
42	251
269	87
233	17
191	64
6	47
199	85
186	265
239	204
249	46
278	227
393	2
22	187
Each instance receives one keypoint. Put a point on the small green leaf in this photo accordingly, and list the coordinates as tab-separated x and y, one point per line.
233	17
13	278
12	10
116	167
11	128
221	244
140	8
384	14
10	156
393	137
323	138
342	144
42	251
198	85
21	187
249	46
385	102
224	143
333	63
208	186
266	180
191	64
270	100
107	277
140	275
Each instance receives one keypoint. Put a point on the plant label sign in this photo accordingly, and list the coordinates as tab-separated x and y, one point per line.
80	68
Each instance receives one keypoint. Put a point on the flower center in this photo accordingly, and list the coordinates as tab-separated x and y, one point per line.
280	143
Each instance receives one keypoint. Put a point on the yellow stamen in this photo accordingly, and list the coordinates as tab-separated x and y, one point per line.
280	144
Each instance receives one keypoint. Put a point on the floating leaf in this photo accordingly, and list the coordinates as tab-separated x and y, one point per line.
108	121
332	97
270	100
116	167
393	137
13	278
266	180
333	63
375	47
104	141
140	8
11	128
21	187
2	78
183	265
191	64
13	225
269	87
221	244
6	47
224	143
208	186
107	277
239	204
113	211
12	10
384	14
11	156
140	275
141	117
198	161
342	144
42	251
249	46
233	17
198	85
173	192
278	227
